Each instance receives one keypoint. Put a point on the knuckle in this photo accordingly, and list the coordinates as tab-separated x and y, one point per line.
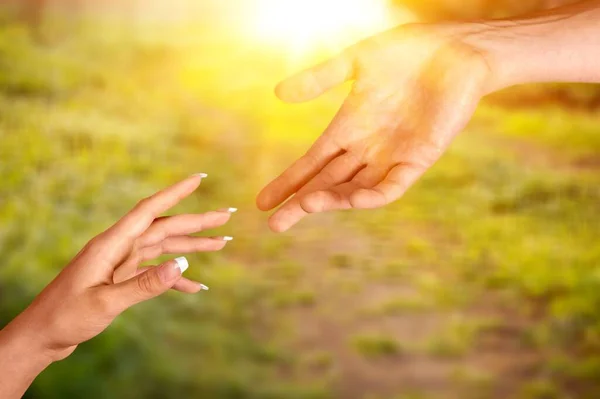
362	180
99	240
135	258
327	178
384	195
141	204
101	304
156	250
145	283
313	203
96	244
310	159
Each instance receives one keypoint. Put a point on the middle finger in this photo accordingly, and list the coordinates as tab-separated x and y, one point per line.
179	225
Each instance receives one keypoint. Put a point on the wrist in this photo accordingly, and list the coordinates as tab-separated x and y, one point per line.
513	53
555	46
22	359
23	345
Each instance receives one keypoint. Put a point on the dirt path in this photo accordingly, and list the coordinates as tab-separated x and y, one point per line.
428	357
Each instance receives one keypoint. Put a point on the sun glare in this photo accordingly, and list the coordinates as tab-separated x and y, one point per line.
309	23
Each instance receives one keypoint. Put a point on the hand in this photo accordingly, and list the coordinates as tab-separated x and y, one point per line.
415	88
104	279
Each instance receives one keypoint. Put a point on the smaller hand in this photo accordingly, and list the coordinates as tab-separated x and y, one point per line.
415	88
104	279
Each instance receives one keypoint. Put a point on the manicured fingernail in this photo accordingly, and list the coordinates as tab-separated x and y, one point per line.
231	210
182	264
169	271
202	175
203	287
227	238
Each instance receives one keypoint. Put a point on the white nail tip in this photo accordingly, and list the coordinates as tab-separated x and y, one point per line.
227	238
231	210
182	264
202	175
203	287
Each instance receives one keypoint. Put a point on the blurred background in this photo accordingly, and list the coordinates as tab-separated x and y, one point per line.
482	282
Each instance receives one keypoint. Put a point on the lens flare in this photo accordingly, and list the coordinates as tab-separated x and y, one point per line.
309	23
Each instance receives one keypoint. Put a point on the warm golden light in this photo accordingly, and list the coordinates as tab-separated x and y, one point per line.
304	23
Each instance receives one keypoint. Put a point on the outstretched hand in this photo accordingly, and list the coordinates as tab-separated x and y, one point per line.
104	280
415	88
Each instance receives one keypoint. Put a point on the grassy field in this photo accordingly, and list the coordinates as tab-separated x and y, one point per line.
482	282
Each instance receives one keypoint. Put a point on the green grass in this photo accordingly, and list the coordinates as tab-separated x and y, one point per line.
340	261
540	390
376	345
304	298
399	306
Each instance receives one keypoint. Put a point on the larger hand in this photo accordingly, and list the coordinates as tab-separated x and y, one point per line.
415	88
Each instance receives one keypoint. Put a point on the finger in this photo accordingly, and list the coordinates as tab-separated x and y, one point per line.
143	214
338	171
179	225
171	245
333	198
297	175
348	119
395	184
182	245
339	196
182	285
188	286
318	201
371	175
315	81
146	285
115	243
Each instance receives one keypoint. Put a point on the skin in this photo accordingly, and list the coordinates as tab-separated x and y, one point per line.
104	280
414	89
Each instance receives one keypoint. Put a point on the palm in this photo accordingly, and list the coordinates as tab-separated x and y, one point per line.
413	92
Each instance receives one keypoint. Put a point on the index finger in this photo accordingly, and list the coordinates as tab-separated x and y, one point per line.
121	235
143	214
300	173
329	146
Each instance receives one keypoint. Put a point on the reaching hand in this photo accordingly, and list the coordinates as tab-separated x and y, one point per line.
103	280
415	88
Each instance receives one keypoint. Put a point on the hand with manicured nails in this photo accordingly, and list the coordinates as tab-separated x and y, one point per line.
414	89
105	279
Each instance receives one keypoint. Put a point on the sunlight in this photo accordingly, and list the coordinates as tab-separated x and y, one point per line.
309	23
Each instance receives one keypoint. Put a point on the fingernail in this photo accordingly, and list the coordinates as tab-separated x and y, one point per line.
182	264
202	175
203	287
227	238
231	210
171	270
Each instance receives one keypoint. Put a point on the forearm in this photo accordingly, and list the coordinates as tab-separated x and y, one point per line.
559	45
20	361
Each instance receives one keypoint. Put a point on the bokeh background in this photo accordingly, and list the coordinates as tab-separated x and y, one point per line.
482	282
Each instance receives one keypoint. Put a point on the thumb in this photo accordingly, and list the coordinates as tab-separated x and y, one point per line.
149	284
315	81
